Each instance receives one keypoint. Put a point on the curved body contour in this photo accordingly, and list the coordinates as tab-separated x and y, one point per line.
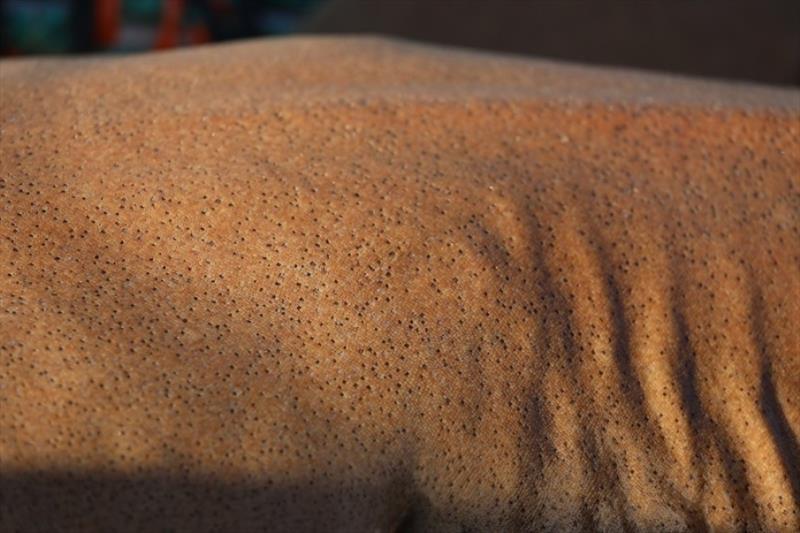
361	285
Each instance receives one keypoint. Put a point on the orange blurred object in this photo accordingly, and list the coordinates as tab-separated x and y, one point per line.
169	31
198	34
107	21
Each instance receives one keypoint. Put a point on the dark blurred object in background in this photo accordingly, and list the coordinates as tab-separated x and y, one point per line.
756	40
79	26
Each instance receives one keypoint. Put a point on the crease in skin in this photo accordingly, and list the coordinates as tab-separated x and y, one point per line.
543	426
488	357
691	379
566	487
733	466
631	362
685	375
567	289
588	443
712	495
653	340
735	418
784	438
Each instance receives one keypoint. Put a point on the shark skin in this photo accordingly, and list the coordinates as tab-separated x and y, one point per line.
359	284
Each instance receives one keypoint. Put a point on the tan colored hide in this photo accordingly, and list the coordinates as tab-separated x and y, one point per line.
362	285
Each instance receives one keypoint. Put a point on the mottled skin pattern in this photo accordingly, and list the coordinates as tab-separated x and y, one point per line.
360	285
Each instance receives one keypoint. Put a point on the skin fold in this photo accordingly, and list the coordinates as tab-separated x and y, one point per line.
353	284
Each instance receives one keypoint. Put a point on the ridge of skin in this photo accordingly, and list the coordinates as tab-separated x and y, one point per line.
364	285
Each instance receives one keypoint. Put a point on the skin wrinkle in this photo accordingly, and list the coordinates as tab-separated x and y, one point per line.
686	375
775	419
604	454
745	504
589	441
700	420
622	350
383	286
692	407
621	344
539	436
783	435
655	344
730	305
559	346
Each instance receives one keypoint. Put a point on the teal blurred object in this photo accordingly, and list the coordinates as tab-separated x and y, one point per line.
36	27
80	26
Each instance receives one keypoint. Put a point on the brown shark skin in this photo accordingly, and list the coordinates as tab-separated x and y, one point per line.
352	284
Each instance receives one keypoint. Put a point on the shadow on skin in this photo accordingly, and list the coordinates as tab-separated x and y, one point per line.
107	502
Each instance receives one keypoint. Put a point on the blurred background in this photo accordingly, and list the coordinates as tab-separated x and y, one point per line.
755	40
81	26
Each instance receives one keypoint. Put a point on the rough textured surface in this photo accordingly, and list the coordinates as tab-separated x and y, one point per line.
332	284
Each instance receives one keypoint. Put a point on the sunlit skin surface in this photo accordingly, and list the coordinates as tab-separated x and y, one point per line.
364	285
